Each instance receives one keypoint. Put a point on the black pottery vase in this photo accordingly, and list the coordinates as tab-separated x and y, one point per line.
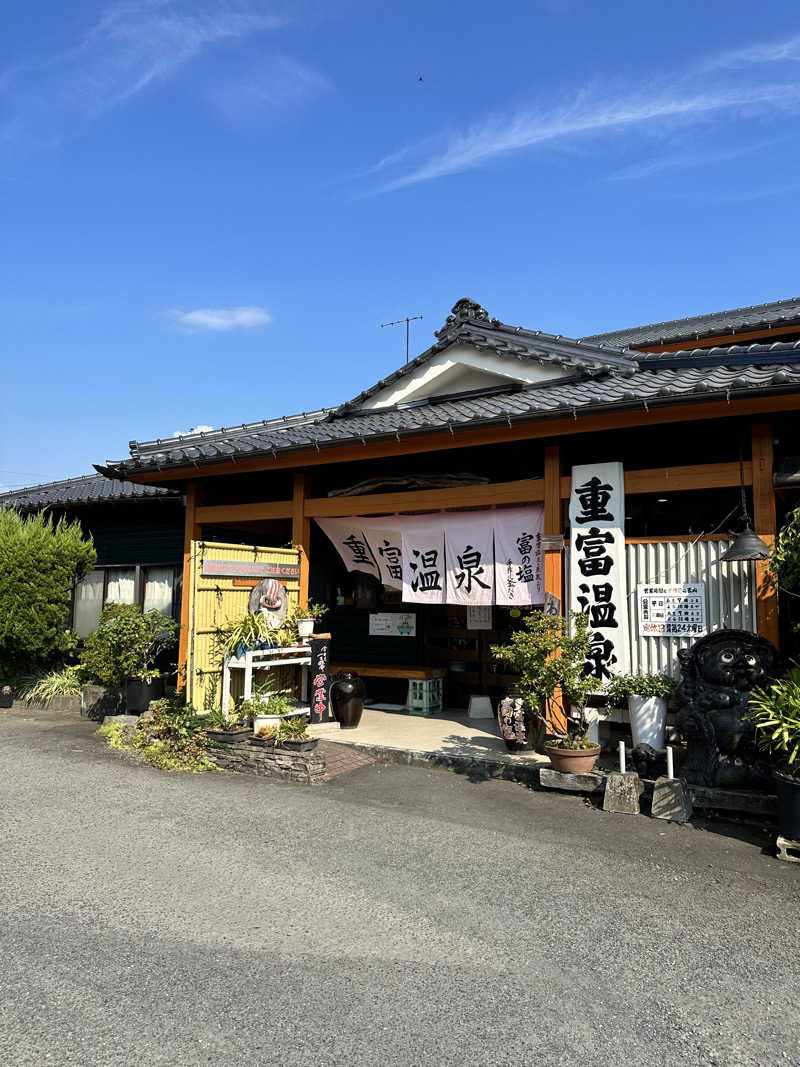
347	697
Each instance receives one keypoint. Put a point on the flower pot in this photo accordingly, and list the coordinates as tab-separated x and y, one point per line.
270	721
299	746
572	760
347	697
648	721
788	791
139	693
305	628
229	737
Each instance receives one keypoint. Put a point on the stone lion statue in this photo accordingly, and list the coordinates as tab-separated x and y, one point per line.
718	674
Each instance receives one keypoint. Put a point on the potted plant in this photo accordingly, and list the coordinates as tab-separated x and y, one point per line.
303	618
124	649
6	696
268	709
775	712
646	696
229	726
548	659
293	735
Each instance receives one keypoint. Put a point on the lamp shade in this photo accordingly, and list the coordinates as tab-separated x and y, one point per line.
746	545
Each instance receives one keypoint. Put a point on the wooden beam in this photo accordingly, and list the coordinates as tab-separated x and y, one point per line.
554	562
301	530
488	435
523	491
732	338
526	491
192	531
222	513
679	479
765	526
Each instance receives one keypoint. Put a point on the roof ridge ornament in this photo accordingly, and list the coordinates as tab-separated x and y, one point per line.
464	310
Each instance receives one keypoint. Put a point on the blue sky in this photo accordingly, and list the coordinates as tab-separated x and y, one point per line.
208	208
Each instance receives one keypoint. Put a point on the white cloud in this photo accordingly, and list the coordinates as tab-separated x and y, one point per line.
205	320
589	114
276	85
677	160
133	45
195	429
784	51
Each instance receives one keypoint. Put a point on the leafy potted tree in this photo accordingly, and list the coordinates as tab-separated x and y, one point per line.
548	659
124	650
775	712
646	697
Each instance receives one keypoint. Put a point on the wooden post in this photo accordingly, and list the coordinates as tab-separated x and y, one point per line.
554	561
191	532
765	526
301	530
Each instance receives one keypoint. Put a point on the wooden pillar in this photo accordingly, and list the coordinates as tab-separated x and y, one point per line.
554	561
191	532
765	526
301	530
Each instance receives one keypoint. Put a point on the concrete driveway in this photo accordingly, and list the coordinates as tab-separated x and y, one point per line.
391	916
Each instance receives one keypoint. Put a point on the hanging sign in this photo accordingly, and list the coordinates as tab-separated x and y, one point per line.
598	577
469	550
518	557
423	561
386	543
350	541
479	617
237	568
672	610
320	679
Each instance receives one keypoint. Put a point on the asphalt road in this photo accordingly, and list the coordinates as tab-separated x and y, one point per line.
391	916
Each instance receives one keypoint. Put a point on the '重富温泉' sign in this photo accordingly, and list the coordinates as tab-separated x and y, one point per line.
598	578
238	568
677	610
472	558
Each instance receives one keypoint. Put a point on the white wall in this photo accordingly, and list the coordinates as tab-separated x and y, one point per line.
459	369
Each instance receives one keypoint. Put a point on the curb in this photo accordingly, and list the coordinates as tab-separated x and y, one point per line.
486	769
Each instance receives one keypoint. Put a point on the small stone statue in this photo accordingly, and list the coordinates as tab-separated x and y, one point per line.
719	673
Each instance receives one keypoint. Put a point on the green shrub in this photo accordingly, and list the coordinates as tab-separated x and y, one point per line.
126	643
40	562
169	735
623	686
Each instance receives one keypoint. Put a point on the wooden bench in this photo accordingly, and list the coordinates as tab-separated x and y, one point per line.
425	693
378	670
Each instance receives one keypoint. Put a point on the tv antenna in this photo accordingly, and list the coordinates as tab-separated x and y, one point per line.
399	322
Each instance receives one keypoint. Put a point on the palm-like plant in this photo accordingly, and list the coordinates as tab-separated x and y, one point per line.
775	712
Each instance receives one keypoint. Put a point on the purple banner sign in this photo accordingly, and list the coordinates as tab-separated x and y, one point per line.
237	568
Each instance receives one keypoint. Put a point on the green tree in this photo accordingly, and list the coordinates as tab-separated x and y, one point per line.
40	562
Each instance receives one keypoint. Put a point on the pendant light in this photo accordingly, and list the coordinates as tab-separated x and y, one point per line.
747	545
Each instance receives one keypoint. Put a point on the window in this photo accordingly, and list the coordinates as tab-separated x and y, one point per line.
154	588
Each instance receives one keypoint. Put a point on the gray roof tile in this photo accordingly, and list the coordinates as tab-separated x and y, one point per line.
88	489
777	313
651	383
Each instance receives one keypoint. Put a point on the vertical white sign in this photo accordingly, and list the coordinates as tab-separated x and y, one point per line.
598	575
424	569
518	556
469	549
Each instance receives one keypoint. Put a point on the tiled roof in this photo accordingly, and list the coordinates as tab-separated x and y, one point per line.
469	324
88	489
719	323
651	383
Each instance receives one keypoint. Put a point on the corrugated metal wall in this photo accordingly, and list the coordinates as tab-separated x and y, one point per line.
212	602
730	594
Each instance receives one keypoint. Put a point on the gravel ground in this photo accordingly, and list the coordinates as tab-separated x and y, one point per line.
390	916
